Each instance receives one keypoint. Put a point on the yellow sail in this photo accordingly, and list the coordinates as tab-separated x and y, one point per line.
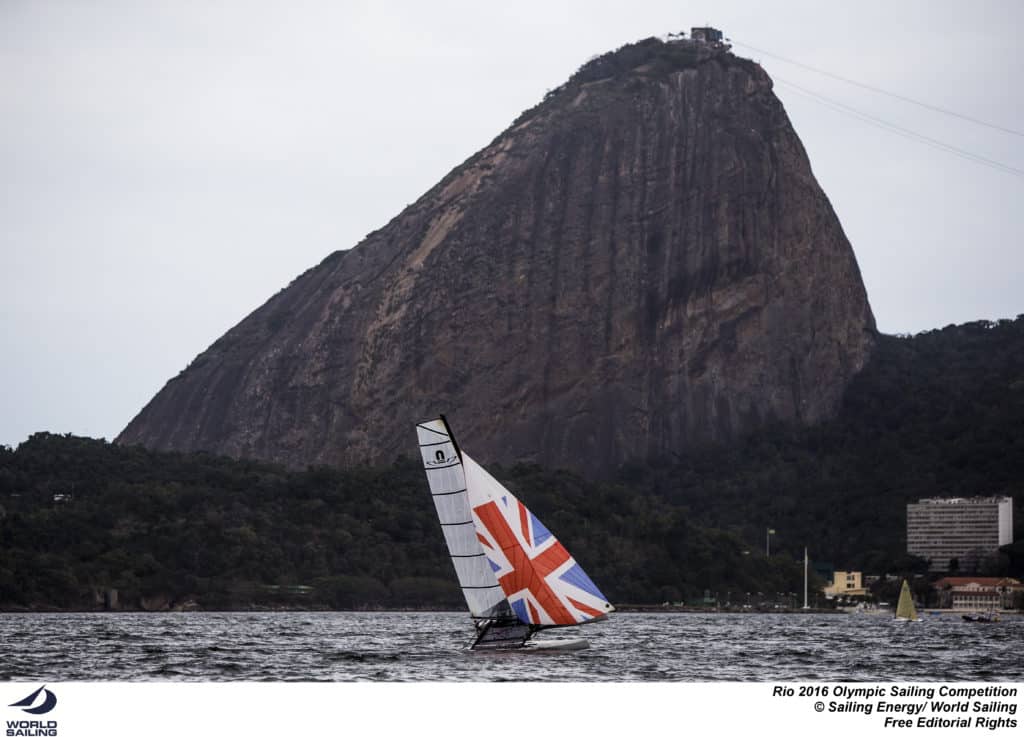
905	610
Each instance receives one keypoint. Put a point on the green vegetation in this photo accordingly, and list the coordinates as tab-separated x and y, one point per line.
937	414
655	56
649	57
168	528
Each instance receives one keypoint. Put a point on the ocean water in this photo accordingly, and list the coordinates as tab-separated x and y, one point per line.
421	646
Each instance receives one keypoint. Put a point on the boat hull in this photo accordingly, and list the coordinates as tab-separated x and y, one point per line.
556	645
981	618
540	646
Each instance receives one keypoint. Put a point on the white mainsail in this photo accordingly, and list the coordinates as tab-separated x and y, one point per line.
447	480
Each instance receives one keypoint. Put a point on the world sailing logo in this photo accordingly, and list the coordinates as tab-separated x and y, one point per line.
49	702
34	728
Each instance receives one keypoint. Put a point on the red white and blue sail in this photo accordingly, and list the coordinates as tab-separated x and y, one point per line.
542	582
525	564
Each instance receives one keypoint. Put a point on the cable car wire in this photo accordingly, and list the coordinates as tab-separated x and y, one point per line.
900	130
879	90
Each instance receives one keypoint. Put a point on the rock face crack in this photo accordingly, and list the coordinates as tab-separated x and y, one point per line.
643	263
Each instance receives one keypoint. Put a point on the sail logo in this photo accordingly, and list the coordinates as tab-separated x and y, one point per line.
440	459
41	701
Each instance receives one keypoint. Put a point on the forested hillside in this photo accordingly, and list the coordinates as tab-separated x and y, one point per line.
937	414
941	413
165	528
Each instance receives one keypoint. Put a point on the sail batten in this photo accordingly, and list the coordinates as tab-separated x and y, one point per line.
449	493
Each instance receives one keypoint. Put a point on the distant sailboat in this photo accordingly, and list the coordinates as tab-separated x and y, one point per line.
517	579
905	609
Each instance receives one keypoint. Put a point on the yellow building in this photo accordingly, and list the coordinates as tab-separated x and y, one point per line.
846	583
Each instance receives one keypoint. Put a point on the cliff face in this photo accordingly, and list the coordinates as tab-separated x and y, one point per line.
641	263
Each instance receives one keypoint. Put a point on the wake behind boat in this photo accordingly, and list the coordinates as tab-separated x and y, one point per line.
516	577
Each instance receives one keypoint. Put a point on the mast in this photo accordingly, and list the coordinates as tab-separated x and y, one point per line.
805	578
451	436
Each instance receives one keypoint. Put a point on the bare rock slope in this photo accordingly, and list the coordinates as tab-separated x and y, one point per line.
641	263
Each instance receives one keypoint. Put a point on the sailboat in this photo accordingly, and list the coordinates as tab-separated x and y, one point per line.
988	617
516	577
905	610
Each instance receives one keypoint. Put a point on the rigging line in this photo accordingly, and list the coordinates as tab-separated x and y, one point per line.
881	91
906	132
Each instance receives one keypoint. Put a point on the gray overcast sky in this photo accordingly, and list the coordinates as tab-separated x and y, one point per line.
167	166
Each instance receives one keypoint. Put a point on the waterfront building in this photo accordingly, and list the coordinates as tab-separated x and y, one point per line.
974	593
846	583
955	534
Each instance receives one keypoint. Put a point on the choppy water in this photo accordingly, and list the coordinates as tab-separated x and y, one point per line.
389	646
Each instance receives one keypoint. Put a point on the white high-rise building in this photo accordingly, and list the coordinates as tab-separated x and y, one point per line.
964	530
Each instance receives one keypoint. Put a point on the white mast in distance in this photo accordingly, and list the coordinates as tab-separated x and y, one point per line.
805	579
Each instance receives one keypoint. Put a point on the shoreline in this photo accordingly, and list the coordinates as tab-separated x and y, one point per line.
623	609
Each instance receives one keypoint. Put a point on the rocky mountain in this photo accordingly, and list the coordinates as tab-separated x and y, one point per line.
642	262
